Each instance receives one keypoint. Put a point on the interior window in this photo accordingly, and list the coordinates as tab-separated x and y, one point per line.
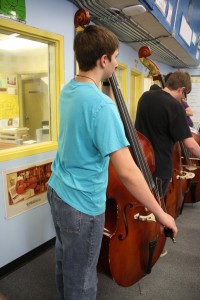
27	79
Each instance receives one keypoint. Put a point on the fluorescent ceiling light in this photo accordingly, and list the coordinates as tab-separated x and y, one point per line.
134	10
14	43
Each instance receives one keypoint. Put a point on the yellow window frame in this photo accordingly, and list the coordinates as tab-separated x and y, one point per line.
58	41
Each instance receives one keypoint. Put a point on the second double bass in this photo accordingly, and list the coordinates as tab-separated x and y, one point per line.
192	164
179	181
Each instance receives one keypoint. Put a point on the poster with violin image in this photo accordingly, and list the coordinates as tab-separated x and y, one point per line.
25	188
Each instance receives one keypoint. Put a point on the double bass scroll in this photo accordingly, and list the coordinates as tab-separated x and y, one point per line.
144	53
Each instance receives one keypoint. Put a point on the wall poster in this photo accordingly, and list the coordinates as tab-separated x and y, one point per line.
161	4
13	9
185	31
193	100
25	188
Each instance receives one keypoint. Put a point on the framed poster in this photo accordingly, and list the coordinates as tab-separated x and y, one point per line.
25	188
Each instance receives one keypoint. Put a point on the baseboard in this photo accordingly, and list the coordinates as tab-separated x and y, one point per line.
17	263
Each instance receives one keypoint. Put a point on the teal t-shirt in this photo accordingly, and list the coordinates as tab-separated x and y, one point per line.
90	129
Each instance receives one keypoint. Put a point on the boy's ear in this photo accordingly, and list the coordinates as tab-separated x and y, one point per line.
103	60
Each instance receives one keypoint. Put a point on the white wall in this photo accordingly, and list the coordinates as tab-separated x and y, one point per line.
57	17
28	230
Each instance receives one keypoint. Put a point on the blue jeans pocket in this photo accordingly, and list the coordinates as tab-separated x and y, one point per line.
65	216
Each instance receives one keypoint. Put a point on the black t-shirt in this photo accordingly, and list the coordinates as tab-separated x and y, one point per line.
162	119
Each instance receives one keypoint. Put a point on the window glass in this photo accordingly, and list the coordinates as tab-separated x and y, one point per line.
27	79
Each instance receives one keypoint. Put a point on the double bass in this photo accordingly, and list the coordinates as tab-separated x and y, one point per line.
192	164
130	242
181	178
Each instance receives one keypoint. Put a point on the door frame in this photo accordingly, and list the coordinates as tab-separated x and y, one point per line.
20	92
135	91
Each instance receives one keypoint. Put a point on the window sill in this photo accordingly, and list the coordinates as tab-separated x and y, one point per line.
28	150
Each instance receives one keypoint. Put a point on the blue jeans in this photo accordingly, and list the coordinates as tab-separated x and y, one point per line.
78	243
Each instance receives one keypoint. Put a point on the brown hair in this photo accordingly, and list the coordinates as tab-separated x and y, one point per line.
179	79
167	76
93	42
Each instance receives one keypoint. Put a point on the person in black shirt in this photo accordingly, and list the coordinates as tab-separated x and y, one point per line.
162	119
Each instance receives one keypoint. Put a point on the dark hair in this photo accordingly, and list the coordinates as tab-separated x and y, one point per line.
179	79
154	87
93	42
167	76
